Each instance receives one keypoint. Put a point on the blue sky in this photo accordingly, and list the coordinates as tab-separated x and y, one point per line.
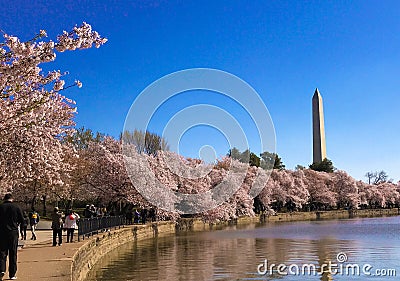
283	49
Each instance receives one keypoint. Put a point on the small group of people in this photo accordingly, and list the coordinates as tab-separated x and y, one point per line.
140	217
91	211
60	222
14	222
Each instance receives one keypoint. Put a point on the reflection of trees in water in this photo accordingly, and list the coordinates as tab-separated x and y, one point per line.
327	250
325	255
138	260
207	256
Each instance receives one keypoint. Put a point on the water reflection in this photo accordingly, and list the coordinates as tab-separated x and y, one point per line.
235	252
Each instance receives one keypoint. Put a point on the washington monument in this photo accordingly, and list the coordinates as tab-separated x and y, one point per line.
319	146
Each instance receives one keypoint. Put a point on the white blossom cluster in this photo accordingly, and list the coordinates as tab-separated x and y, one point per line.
34	116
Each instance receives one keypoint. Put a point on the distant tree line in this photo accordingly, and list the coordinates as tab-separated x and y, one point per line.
145	142
266	160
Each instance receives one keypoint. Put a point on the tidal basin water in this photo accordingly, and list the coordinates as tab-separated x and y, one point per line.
368	249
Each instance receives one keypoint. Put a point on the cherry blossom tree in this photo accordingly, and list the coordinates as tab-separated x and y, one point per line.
390	194
373	196
105	177
265	196
363	192
109	172
292	189
34	114
346	189
318	185
240	203
38	158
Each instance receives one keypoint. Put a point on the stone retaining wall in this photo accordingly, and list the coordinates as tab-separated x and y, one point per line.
335	214
98	246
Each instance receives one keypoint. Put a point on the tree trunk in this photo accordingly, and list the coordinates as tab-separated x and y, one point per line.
44	205
70	203
33	202
34	196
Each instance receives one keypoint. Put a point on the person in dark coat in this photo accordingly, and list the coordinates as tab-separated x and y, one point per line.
57	221
24	226
143	215
129	217
87	213
152	215
136	217
10	217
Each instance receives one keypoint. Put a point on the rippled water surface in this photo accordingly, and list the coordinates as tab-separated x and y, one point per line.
235	253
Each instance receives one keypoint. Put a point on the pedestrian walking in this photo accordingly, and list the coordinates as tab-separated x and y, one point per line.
129	217
93	210
33	221
70	224
143	215
10	217
136	217
57	226
24	226
152	214
87	213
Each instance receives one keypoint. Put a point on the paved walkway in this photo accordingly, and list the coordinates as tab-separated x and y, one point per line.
39	260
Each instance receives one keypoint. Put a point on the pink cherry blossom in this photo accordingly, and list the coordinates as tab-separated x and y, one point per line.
34	116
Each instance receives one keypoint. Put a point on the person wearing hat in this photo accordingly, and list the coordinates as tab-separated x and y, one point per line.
57	225
10	217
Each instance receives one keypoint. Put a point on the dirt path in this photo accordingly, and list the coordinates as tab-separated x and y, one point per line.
39	260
